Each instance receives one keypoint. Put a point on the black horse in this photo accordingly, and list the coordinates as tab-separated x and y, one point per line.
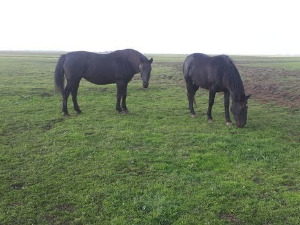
217	74
116	67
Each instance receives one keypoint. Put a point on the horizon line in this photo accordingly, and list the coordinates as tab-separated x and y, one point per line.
154	53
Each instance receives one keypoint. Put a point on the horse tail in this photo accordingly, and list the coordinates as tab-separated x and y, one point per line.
185	69
59	74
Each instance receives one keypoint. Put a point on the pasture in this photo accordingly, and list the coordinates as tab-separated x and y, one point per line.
155	165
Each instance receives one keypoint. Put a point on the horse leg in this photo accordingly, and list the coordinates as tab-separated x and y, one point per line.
226	105
212	95
124	107
74	92
65	96
121	91
191	90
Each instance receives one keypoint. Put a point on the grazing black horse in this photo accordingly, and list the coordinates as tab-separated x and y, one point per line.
116	67
217	74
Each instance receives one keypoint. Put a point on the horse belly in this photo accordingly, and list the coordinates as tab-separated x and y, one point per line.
101	78
210	86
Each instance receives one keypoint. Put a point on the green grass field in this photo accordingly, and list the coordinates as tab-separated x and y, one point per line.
155	165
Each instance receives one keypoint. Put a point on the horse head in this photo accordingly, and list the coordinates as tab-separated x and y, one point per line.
239	110
145	70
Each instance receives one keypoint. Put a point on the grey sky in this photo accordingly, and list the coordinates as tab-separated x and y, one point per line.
156	26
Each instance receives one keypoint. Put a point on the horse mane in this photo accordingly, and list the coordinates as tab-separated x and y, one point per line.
134	58
236	86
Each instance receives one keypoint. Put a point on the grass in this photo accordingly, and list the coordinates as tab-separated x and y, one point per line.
155	165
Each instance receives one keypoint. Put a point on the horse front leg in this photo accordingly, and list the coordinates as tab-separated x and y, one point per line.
121	91
226	105
124	107
211	102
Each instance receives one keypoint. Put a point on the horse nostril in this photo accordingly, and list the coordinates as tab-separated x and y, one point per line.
145	85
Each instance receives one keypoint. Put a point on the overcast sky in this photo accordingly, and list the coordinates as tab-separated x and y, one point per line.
152	26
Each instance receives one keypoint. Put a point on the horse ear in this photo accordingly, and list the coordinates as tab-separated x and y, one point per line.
151	60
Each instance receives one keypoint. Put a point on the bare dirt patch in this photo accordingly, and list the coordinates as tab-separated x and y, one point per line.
18	186
231	218
272	85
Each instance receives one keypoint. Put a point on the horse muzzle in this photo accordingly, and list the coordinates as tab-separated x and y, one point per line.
240	125
145	84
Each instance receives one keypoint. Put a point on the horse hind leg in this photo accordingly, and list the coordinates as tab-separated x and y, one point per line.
74	92
191	91
65	95
72	88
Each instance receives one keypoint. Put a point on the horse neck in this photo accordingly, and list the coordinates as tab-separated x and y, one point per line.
135	60
236	87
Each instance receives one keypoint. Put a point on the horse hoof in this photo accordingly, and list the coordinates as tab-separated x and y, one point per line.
78	112
66	114
228	123
193	115
125	111
210	120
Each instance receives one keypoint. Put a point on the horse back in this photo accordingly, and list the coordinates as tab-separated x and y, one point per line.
102	68
94	67
205	71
